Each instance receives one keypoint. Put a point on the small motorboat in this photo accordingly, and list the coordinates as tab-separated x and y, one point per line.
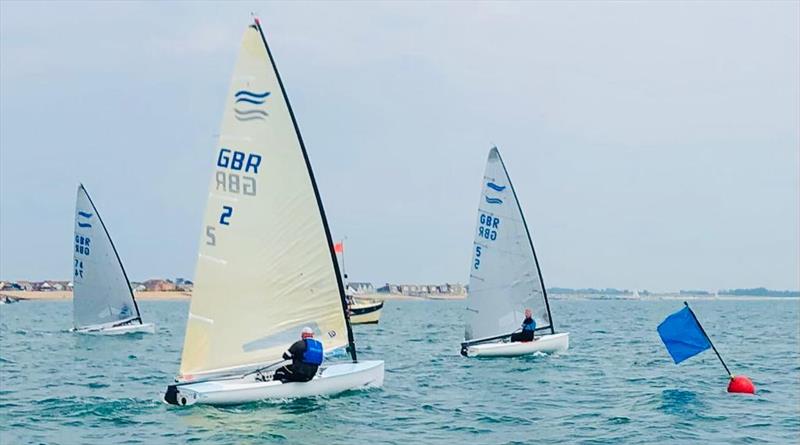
365	311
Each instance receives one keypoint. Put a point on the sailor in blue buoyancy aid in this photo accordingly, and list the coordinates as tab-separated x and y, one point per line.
306	355
528	328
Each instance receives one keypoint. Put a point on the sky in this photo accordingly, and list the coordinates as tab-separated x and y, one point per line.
652	145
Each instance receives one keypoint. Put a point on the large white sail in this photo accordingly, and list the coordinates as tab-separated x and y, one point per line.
504	274
101	292
265	267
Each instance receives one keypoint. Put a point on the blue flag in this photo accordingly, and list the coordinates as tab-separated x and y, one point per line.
682	335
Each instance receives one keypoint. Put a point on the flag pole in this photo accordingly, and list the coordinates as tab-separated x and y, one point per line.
344	270
709	339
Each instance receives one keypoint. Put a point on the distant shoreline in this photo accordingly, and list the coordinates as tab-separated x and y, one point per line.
67	295
182	295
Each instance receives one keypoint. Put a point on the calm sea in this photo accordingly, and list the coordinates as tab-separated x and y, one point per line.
615	385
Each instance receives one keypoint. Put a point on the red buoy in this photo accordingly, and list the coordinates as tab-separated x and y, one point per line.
741	384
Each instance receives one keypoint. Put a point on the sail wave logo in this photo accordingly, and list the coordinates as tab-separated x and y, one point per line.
495	187
84	215
247	105
494	200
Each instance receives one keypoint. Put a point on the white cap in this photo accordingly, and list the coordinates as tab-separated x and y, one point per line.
307	331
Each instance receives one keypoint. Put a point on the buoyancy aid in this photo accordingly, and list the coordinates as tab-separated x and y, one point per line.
313	353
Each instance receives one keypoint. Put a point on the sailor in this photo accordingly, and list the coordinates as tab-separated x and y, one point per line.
306	355
528	328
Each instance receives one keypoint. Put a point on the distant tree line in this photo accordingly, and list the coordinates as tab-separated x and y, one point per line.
593	291
761	292
754	292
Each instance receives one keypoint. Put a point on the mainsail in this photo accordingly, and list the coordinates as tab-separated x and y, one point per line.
265	267
102	294
504	273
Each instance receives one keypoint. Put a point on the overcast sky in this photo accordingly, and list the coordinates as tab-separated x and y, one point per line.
652	145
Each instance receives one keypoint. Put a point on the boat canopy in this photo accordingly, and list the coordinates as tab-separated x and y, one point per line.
265	267
504	273
102	294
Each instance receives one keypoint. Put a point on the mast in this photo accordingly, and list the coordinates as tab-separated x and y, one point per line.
530	241
351	342
114	248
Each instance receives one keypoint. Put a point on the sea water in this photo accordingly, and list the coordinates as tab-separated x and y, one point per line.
616	384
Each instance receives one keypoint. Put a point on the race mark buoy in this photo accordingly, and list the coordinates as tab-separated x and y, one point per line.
741	384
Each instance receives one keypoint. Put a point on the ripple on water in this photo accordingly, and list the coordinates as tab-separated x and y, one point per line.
615	385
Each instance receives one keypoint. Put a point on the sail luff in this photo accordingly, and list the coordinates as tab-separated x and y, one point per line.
334	261
530	241
116	255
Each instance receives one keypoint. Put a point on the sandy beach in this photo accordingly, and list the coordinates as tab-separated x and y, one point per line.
67	295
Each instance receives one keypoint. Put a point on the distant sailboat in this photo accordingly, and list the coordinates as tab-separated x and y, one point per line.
266	266
505	278
102	299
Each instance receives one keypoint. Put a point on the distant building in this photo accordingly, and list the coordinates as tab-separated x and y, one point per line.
8	285
423	289
43	286
159	285
138	287
183	284
25	285
356	287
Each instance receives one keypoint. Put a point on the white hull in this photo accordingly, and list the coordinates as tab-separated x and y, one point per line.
366	313
145	328
333	379
548	344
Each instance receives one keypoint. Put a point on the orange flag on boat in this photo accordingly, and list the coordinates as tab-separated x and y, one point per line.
339	247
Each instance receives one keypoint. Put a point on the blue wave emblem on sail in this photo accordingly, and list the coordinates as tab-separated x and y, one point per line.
243	105
84	215
495	187
494	200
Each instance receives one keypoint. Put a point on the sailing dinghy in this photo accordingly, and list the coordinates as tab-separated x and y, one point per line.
365	311
505	278
266	266
102	298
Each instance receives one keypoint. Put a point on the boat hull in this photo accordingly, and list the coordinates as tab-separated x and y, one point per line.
144	328
548	344
366	313
333	379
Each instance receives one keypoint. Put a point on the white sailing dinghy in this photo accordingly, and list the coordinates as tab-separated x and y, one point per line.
102	298
505	278
266	266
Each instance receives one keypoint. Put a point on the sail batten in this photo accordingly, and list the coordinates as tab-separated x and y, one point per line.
101	291
265	268
505	277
